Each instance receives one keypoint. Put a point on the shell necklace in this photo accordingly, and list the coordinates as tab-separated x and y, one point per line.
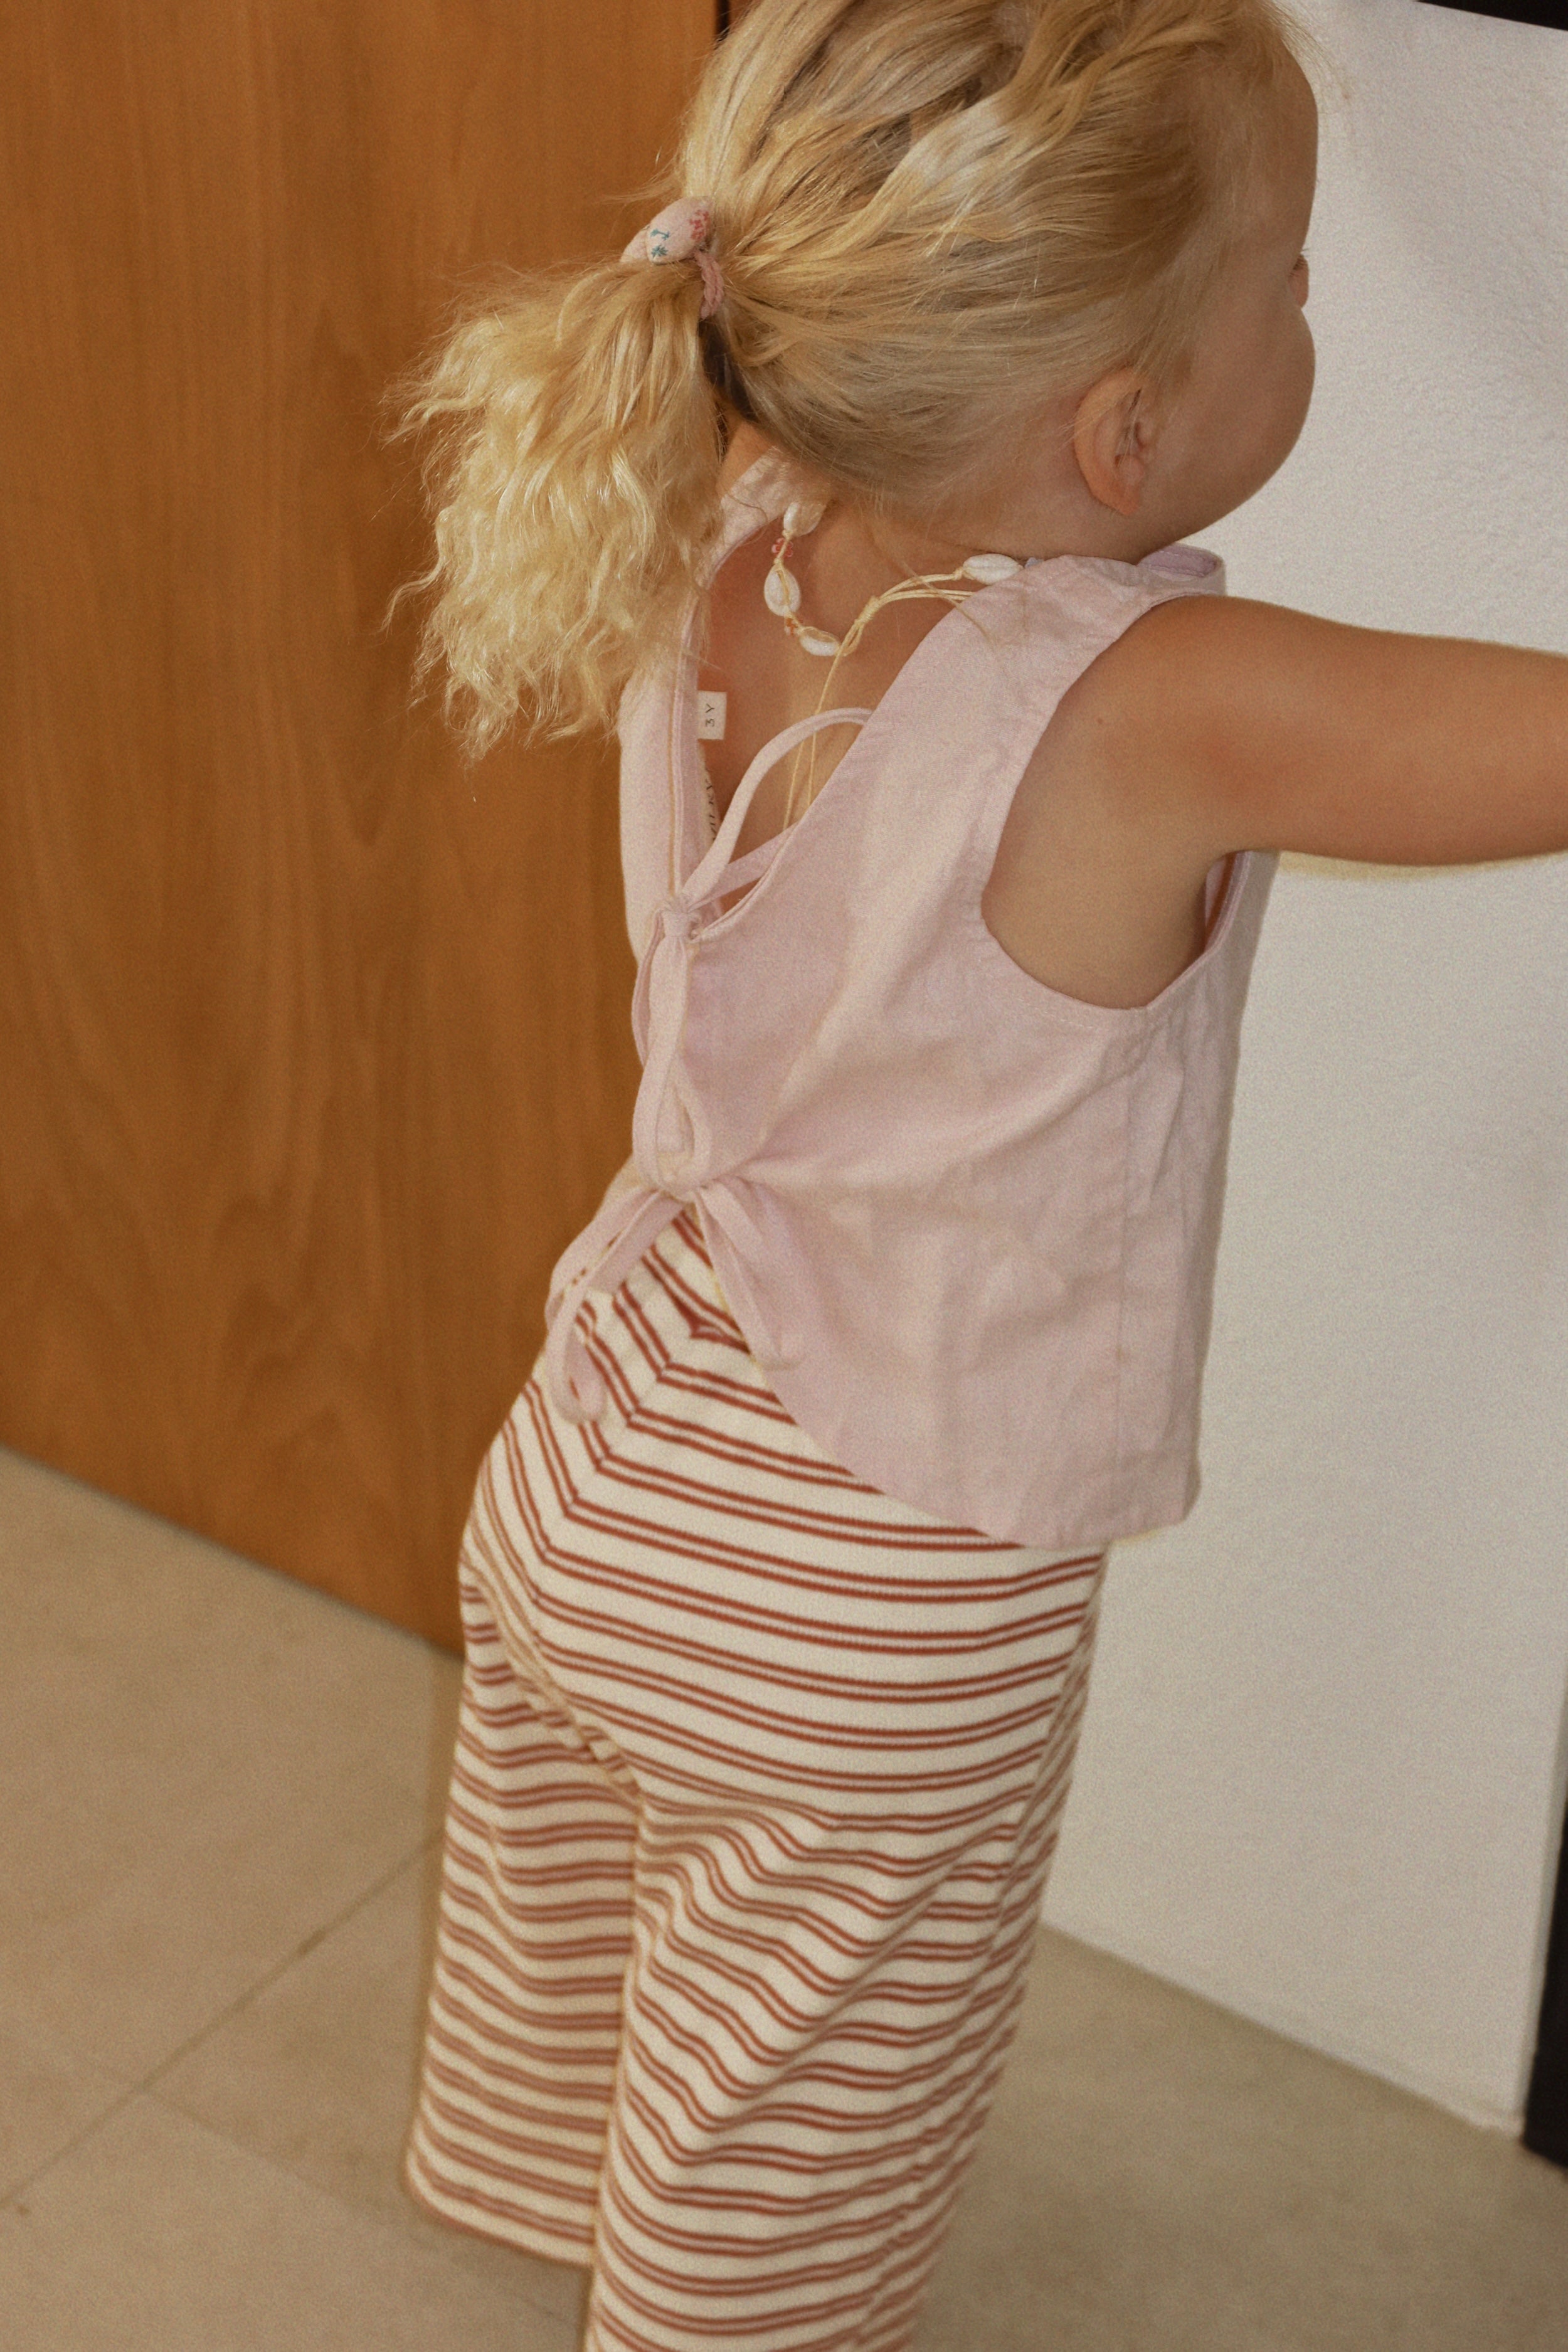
781	589
781	594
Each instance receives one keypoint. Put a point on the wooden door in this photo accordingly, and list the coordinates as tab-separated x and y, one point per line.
313	1043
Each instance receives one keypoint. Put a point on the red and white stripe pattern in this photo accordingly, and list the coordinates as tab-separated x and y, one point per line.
757	1784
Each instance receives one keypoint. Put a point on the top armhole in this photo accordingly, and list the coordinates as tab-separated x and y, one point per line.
1162	728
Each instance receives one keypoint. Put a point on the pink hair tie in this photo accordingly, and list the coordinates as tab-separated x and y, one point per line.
680	233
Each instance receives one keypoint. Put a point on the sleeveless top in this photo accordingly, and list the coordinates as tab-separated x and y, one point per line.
966	1224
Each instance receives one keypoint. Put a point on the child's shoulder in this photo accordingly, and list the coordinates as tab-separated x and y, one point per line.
1181	665
1209	726
1153	728
1099	885
1227	723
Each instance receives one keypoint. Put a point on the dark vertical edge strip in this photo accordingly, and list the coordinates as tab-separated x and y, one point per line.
1546	2108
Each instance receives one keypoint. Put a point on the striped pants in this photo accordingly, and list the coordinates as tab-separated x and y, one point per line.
758	1779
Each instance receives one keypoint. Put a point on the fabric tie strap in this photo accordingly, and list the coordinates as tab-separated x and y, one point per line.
671	1171
601	1257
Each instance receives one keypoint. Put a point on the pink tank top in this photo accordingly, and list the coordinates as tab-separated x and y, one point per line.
966	1224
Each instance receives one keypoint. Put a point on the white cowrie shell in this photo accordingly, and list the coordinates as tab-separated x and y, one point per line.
781	593
802	517
815	641
990	568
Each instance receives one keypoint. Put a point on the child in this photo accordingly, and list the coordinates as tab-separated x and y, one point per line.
951	785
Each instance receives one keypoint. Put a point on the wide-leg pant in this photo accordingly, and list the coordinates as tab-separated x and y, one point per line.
758	1781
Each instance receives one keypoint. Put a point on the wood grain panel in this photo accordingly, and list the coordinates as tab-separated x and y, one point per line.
313	1043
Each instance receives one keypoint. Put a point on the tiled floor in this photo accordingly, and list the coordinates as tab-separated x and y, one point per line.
215	1881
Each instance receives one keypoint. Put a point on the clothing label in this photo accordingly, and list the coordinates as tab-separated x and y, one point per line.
711	713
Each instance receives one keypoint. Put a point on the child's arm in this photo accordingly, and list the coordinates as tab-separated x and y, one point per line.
1277	730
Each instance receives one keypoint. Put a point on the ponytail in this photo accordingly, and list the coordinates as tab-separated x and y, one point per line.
576	490
933	219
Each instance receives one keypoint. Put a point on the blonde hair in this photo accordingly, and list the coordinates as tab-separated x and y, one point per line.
933	218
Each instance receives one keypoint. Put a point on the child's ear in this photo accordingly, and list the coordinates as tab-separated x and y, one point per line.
1112	438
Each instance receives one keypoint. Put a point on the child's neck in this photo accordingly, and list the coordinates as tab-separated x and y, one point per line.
1036	508
1040	506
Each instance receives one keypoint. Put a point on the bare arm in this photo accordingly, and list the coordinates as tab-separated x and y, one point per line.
1277	731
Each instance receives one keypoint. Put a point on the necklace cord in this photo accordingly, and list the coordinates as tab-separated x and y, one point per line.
781	594
916	587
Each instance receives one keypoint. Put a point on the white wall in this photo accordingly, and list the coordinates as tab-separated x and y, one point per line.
1322	1778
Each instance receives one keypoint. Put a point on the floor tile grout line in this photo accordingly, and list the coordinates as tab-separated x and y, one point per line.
447	2244
307	1945
145	2083
443	2243
362	2213
11	2202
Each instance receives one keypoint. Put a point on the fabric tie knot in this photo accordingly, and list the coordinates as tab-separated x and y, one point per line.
678	920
